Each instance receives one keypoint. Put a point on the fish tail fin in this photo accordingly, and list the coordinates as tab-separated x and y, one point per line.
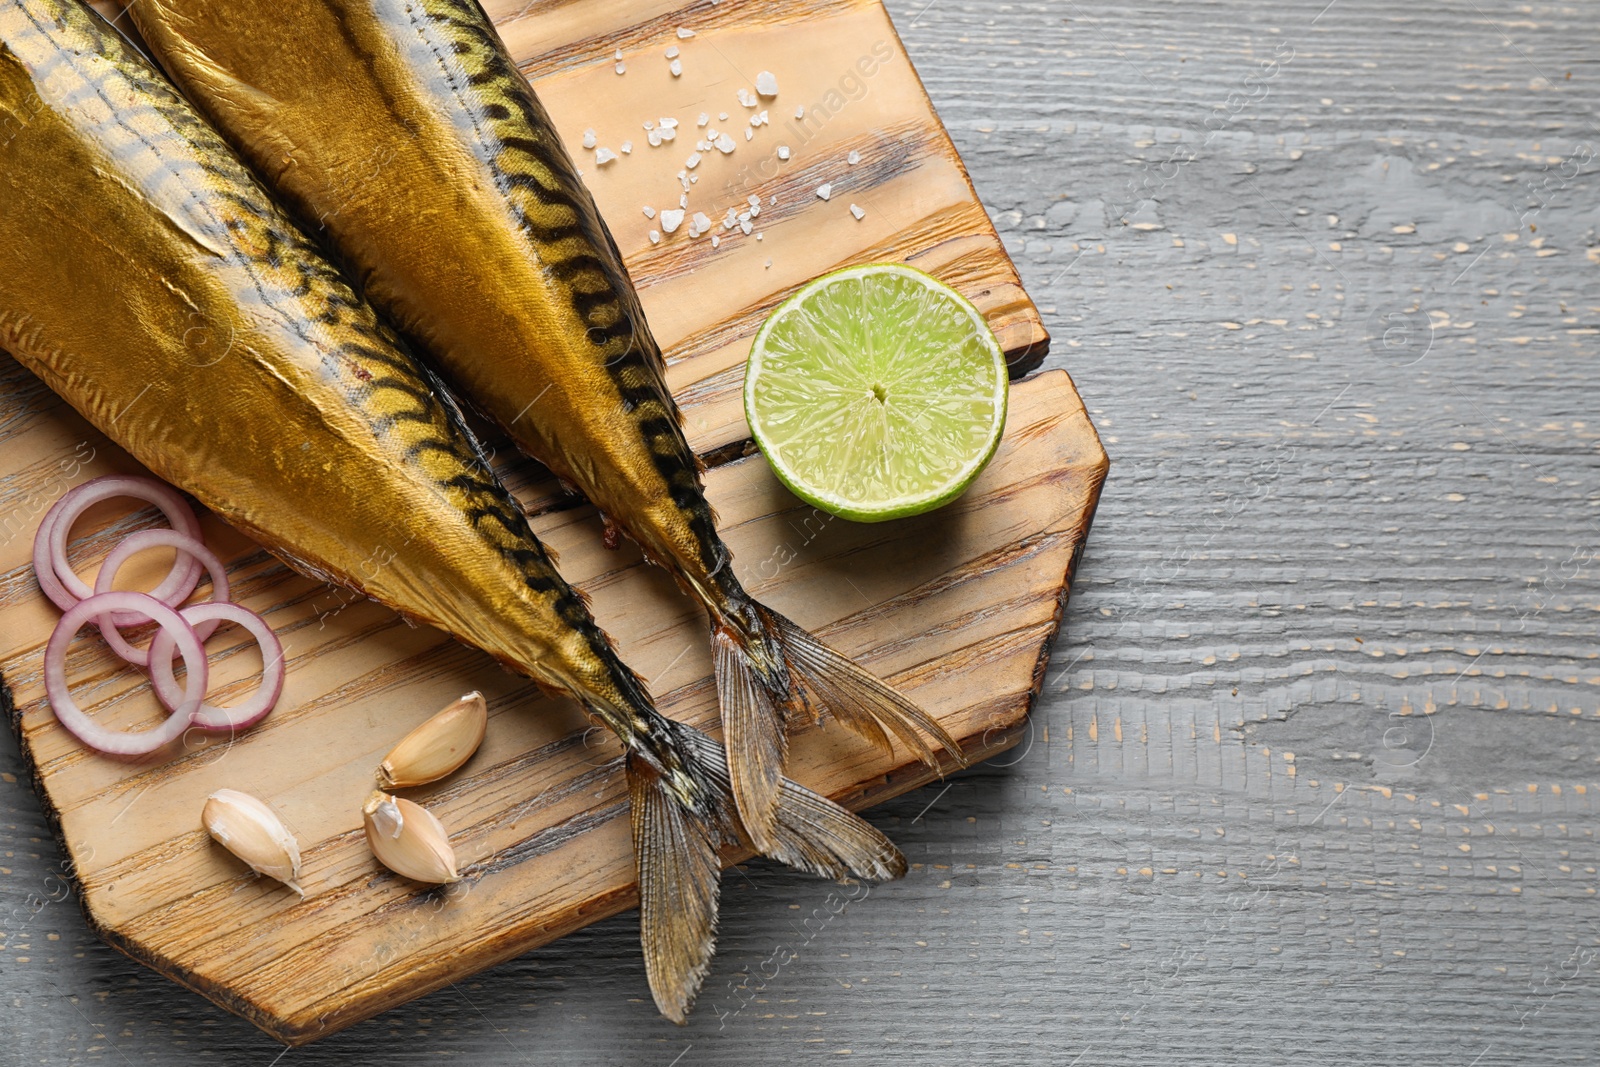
683	814
772	675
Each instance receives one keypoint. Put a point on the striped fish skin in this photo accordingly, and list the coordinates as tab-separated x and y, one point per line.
150	281
399	100
410	137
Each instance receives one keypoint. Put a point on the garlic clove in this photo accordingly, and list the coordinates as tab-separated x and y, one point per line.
253	832
408	839
438	747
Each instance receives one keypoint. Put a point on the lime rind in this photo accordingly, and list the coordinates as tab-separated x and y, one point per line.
876	392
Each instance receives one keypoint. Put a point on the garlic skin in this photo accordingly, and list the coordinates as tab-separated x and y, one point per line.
438	747
252	831
408	839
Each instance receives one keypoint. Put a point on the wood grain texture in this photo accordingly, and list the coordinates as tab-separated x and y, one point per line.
958	608
1146	883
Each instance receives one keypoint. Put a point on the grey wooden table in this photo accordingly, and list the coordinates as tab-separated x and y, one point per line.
1314	778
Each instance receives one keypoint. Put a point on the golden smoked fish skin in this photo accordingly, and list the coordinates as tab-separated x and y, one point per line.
149	280
403	129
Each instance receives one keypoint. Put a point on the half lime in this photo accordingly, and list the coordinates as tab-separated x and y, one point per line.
876	392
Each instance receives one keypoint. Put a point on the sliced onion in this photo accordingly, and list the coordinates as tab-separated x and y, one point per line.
138	542
62	584
208	717
120	742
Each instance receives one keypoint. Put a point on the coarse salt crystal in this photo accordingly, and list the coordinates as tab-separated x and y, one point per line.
753	200
755	120
703	120
701	223
854	158
668	134
755	212
672	52
723	115
655	138
627	146
745	226
618	55
671	220
603	156
668	124
769	264
857	212
590	139
683	34
767	83
655	237
825	190
725	144
800	112
766	118
649	212
693	161
774	201
694	179
749	135
622	68
676	67
649	125
744	216
760	236
746	97
783	151
683	201
715	240
702	146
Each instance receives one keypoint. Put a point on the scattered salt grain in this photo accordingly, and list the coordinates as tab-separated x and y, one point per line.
725	144
649	212
755	120
589	139
767	83
655	138
746	227
693	161
766	118
668	124
676	67
723	115
667	133
800	112
769	264
754	201
618	56
603	156
671	220
701	223
749	135
857	212
715	241
783	151
774	201
683	34
746	97
672	52
761	236
627	147
655	237
683	201
703	120
825	190
622	68
854	158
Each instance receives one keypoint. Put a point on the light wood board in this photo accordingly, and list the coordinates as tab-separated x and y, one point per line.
958	608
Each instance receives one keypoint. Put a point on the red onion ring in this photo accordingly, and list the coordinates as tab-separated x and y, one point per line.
138	542
209	717
61	583
119	742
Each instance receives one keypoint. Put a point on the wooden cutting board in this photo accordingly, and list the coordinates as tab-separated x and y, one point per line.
958	608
